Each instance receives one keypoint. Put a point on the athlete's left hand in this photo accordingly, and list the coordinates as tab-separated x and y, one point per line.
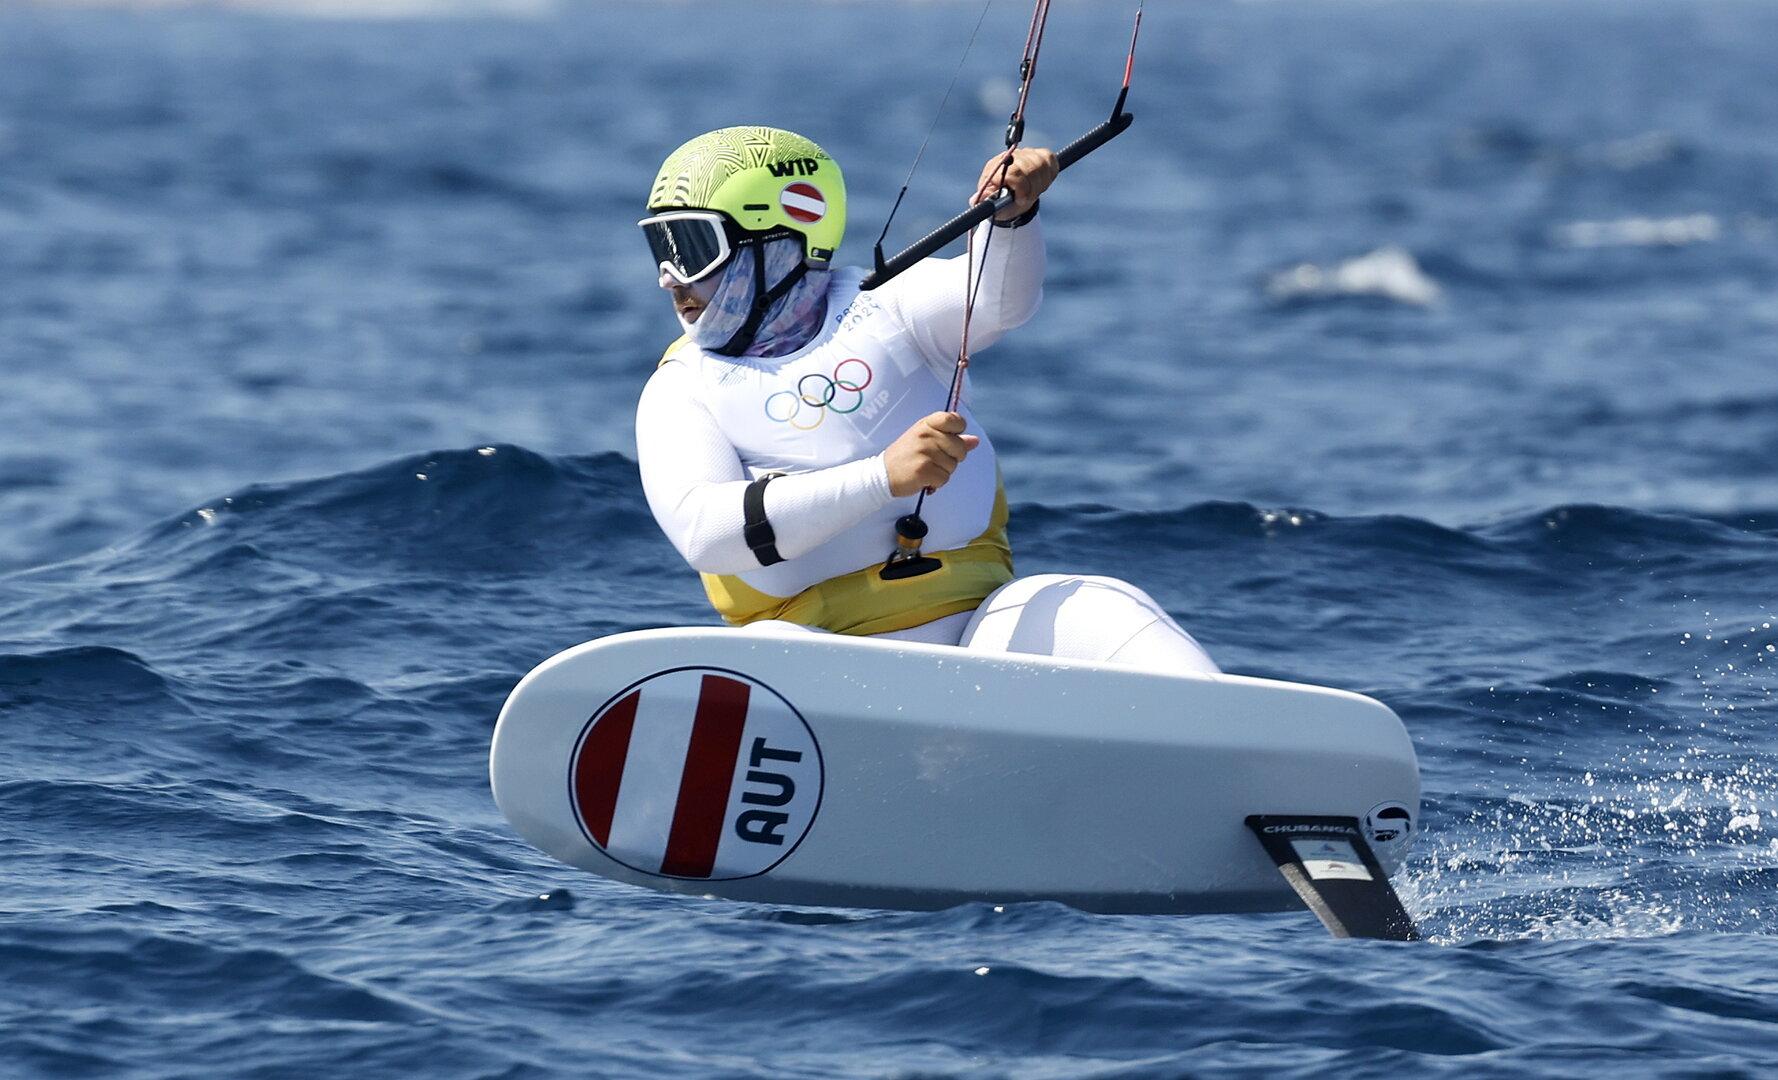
1031	173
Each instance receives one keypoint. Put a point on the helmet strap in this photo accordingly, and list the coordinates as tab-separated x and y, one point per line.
763	299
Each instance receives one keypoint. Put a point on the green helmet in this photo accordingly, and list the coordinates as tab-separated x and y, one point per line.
763	179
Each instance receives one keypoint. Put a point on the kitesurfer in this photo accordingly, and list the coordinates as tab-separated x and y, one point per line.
795	422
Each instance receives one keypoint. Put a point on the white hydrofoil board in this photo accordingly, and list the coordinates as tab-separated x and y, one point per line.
840	771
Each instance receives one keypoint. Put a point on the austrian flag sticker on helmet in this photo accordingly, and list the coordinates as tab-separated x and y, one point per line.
803	201
696	773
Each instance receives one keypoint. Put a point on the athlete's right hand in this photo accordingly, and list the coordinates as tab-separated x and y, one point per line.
928	453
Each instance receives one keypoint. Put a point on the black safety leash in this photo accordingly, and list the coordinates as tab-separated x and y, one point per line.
906	560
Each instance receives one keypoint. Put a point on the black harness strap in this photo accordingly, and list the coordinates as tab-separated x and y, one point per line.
757	531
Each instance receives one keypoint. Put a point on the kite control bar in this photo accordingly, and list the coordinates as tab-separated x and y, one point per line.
980	212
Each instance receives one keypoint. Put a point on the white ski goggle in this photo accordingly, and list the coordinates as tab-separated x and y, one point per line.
689	245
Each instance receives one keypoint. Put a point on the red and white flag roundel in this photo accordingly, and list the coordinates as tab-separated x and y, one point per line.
697	773
803	202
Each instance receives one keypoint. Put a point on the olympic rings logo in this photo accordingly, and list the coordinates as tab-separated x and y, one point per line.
842	392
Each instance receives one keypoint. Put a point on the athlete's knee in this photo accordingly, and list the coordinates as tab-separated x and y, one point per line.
1094	591
1085	617
1050	586
1117	585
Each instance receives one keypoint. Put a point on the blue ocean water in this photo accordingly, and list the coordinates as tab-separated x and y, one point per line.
1424	349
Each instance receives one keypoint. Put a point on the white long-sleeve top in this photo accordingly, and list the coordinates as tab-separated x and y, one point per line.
707	425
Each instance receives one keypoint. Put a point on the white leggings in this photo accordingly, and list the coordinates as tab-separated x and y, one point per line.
1066	615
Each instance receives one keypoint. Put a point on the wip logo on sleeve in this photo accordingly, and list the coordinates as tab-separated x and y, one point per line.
697	773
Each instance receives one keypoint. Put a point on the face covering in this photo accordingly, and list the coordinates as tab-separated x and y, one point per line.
790	323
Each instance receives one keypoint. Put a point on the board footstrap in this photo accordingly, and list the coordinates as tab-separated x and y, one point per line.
1330	864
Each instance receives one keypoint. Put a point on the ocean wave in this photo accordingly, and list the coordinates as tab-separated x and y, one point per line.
503	510
1389	274
341	175
487	507
1608	529
1573	528
1640	232
131	970
1514	144
80	677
